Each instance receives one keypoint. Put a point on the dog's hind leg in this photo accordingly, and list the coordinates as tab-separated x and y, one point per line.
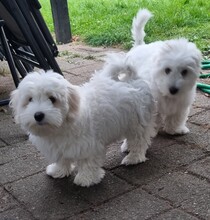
124	146
60	169
137	151
176	124
138	143
90	171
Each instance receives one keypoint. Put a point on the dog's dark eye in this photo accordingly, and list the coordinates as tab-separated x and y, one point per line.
167	70
52	99
184	73
30	99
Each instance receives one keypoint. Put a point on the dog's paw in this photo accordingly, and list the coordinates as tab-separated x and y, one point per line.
177	131
56	171
133	158
124	147
183	130
89	178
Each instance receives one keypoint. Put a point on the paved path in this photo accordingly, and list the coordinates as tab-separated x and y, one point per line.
173	184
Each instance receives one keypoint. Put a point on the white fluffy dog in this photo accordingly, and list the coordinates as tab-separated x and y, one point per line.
71	125
172	68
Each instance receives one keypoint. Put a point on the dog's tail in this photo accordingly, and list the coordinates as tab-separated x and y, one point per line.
117	69
138	25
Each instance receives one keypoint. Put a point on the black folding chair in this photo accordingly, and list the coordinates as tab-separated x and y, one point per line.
25	39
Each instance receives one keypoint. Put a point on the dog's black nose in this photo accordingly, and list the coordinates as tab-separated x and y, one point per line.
39	116
173	90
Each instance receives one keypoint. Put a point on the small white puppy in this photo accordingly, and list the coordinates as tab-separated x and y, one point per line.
172	68
71	125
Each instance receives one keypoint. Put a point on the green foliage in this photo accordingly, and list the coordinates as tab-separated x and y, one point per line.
108	22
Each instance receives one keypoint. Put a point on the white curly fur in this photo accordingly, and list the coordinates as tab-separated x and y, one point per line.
72	125
138	25
171	67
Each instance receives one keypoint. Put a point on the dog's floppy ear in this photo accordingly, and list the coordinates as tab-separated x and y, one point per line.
197	56
13	104
73	101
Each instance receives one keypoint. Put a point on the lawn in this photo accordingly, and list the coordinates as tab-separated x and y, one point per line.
108	22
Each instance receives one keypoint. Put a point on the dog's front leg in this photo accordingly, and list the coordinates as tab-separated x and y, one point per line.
60	169
158	122
176	124
89	172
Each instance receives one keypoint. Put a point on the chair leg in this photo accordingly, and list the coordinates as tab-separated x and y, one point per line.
8	55
18	15
4	102
44	47
21	68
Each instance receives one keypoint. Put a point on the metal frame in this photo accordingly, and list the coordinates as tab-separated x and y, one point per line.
25	39
10	60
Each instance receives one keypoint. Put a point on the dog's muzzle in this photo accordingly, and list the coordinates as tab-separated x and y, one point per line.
39	116
173	90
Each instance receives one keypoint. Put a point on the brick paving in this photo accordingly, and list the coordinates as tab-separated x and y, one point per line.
173	184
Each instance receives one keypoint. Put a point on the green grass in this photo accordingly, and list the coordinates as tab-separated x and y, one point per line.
108	22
